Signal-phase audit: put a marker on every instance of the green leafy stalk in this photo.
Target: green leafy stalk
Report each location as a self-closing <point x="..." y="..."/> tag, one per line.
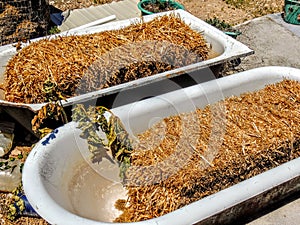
<point x="52" y="110"/>
<point x="118" y="143"/>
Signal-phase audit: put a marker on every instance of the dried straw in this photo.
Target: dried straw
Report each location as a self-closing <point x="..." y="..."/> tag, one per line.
<point x="80" y="64"/>
<point x="258" y="131"/>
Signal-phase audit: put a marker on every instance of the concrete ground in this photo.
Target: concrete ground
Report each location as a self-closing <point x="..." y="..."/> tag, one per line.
<point x="288" y="214"/>
<point x="276" y="43"/>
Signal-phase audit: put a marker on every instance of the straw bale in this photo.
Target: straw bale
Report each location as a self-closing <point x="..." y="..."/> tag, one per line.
<point x="80" y="64"/>
<point x="202" y="152"/>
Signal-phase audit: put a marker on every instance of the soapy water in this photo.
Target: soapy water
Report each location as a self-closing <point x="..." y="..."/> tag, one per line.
<point x="93" y="196"/>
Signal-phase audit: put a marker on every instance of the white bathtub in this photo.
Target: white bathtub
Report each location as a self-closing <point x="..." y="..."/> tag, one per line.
<point x="49" y="171"/>
<point x="225" y="47"/>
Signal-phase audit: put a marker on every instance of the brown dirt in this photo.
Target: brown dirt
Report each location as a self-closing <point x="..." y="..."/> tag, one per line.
<point x="234" y="11"/>
<point x="231" y="11"/>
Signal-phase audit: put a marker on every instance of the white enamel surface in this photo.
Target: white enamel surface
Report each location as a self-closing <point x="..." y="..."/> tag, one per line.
<point x="47" y="169"/>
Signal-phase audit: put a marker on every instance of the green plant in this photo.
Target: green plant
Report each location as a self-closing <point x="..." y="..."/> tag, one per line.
<point x="53" y="110"/>
<point x="117" y="140"/>
<point x="221" y="25"/>
<point x="162" y="5"/>
<point x="156" y="6"/>
<point x="237" y="3"/>
<point x="54" y="30"/>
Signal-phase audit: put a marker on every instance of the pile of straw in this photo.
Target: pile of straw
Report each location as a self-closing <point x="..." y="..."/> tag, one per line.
<point x="186" y="157"/>
<point x="80" y="64"/>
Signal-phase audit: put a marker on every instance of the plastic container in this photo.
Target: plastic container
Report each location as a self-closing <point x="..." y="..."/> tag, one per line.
<point x="6" y="141"/>
<point x="50" y="181"/>
<point x="171" y="3"/>
<point x="10" y="175"/>
<point x="292" y="12"/>
<point x="6" y="136"/>
<point x="233" y="34"/>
